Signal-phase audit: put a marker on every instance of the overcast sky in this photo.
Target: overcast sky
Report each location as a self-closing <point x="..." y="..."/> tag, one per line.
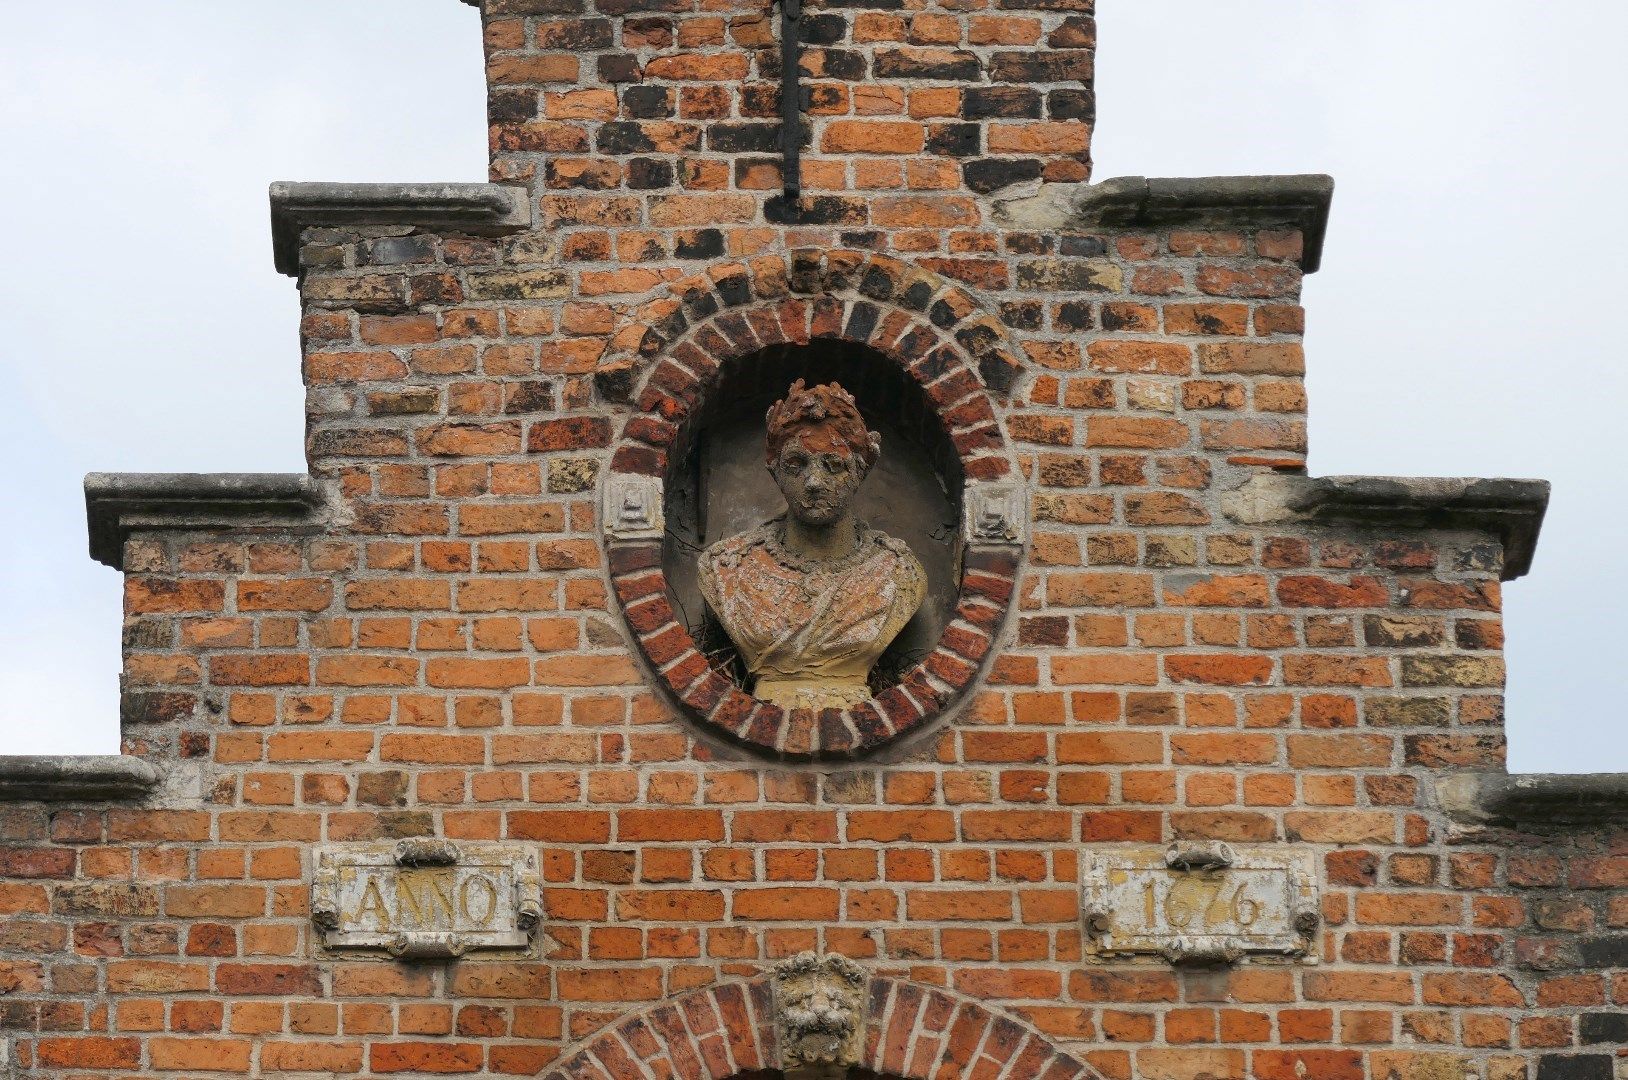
<point x="1464" y="322"/>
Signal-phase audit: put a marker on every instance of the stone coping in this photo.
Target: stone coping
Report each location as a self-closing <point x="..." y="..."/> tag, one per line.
<point x="491" y="209"/>
<point x="1299" y="201"/>
<point x="73" y="778"/>
<point x="1536" y="798"/>
<point x="118" y="504"/>
<point x="1510" y="509"/>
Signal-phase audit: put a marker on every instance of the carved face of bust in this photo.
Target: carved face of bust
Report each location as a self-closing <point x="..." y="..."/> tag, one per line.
<point x="818" y="477"/>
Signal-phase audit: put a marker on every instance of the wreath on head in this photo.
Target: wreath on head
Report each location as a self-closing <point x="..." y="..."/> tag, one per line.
<point x="829" y="414"/>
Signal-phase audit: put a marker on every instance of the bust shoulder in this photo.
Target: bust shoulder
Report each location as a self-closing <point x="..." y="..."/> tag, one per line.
<point x="729" y="550"/>
<point x="914" y="576"/>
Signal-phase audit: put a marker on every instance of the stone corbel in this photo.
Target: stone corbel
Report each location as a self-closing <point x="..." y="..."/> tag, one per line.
<point x="421" y="851"/>
<point x="426" y="946"/>
<point x="1307" y="918"/>
<point x="1186" y="953"/>
<point x="325" y="896"/>
<point x="1199" y="855"/>
<point x="995" y="515"/>
<point x="528" y="895"/>
<point x="633" y="508"/>
<point x="819" y="1015"/>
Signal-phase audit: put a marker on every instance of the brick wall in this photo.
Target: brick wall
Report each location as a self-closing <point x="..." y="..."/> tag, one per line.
<point x="448" y="653"/>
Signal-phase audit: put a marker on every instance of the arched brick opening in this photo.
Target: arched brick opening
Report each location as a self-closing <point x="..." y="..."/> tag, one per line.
<point x="928" y="328"/>
<point x="727" y="1031"/>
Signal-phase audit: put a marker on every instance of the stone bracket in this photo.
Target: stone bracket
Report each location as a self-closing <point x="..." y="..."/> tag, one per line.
<point x="1535" y="799"/>
<point x="1297" y="201"/>
<point x="1511" y="510"/>
<point x="119" y="504"/>
<point x="995" y="515"/>
<point x="633" y="508"/>
<point x="71" y="778"/>
<point x="482" y="209"/>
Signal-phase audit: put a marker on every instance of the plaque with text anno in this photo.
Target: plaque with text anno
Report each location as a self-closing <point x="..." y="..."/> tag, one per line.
<point x="1200" y="904"/>
<point x="426" y="899"/>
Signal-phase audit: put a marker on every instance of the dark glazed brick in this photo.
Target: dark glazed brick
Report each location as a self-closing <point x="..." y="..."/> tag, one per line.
<point x="862" y="321"/>
<point x="1074" y="315"/>
<point x="511" y="106"/>
<point x="817" y="210"/>
<point x="155" y="707"/>
<point x="1609" y="1027"/>
<point x="1084" y="247"/>
<point x="748" y="138"/>
<point x="834" y="63"/>
<point x="959" y="66"/>
<point x="991" y="174"/>
<point x="877" y="283"/>
<point x="1575" y="1067"/>
<point x="646" y="173"/>
<point x="647" y="102"/>
<point x="621" y="138"/>
<point x="999" y="373"/>
<point x="1041" y="67"/>
<point x="984" y="102"/>
<point x="1071" y="105"/>
<point x="632" y="7"/>
<point x="735" y="290"/>
<point x="917" y="296"/>
<point x="824" y="29"/>
<point x="630" y="558"/>
<point x="1603" y="951"/>
<point x="700" y="244"/>
<point x="954" y="140"/>
<point x="1023" y="314"/>
<point x="577" y="35"/>
<point x="618" y="69"/>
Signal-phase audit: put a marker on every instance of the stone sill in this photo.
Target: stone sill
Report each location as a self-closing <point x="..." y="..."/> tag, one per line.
<point x="486" y="209"/>
<point x="1536" y="798"/>
<point x="119" y="504"/>
<point x="51" y="778"/>
<point x="1512" y="510"/>
<point x="1205" y="202"/>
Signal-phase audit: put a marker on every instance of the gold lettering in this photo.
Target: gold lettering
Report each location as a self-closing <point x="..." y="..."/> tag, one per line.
<point x="443" y="899"/>
<point x="407" y="898"/>
<point x="485" y="886"/>
<point x="373" y="901"/>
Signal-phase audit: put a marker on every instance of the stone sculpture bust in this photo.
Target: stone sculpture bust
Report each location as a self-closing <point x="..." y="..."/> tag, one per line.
<point x="814" y="597"/>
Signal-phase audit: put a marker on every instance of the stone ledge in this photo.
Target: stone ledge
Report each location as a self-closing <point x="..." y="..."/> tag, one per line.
<point x="1212" y="202"/>
<point x="52" y="778"/>
<point x="1510" y="509"/>
<point x="118" y="504"/>
<point x="490" y="209"/>
<point x="1536" y="798"/>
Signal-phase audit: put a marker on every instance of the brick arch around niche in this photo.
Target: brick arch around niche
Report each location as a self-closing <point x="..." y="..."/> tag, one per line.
<point x="727" y="1031"/>
<point x="929" y="328"/>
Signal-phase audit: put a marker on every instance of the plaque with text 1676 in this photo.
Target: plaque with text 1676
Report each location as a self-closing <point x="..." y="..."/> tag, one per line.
<point x="1200" y="904"/>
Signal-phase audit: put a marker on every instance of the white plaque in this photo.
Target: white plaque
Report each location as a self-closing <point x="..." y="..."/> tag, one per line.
<point x="1200" y="903"/>
<point x="426" y="899"/>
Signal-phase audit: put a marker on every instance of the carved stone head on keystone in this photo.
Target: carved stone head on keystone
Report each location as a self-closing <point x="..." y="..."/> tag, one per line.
<point x="819" y="1009"/>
